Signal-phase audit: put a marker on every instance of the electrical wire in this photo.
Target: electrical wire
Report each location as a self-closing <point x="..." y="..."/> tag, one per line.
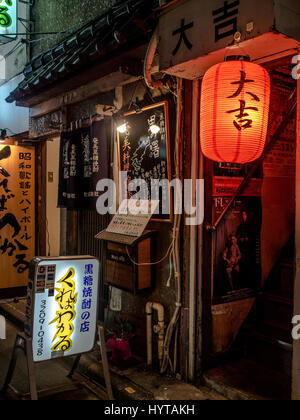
<point x="8" y="129"/>
<point x="153" y="263"/>
<point x="48" y="237"/>
<point x="17" y="46"/>
<point x="173" y="251"/>
<point x="173" y="325"/>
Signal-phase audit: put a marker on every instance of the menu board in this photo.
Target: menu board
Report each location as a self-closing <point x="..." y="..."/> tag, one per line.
<point x="132" y="218"/>
<point x="145" y="155"/>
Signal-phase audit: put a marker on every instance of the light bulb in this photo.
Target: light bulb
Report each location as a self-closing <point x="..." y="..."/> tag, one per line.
<point x="155" y="129"/>
<point x="122" y="128"/>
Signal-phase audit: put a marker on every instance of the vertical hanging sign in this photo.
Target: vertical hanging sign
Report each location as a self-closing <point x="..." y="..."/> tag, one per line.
<point x="83" y="162"/>
<point x="17" y="214"/>
<point x="8" y="19"/>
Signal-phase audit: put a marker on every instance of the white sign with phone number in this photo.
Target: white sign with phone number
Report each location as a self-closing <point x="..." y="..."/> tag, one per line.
<point x="64" y="312"/>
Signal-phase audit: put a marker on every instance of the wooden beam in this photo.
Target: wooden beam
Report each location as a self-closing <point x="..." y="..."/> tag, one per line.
<point x="102" y="85"/>
<point x="41" y="199"/>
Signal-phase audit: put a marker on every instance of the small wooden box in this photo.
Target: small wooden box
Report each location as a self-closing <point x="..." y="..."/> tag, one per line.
<point x="122" y="252"/>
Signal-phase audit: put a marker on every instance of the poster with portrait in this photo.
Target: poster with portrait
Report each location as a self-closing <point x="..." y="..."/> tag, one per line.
<point x="237" y="267"/>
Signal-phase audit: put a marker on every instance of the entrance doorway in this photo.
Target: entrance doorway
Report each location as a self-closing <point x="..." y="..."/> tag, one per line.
<point x="252" y="305"/>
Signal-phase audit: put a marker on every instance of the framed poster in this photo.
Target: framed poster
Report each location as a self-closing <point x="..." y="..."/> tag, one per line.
<point x="237" y="248"/>
<point x="144" y="154"/>
<point x="17" y="214"/>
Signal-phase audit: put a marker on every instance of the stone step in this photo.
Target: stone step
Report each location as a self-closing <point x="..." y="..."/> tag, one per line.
<point x="272" y="349"/>
<point x="276" y="310"/>
<point x="245" y="379"/>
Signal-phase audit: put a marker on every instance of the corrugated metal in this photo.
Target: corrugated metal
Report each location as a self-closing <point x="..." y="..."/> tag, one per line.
<point x="89" y="224"/>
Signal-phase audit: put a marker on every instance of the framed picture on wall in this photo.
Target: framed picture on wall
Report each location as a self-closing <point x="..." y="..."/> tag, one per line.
<point x="237" y="253"/>
<point x="144" y="154"/>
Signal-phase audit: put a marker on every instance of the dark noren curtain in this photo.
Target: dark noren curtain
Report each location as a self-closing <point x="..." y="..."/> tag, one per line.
<point x="83" y="162"/>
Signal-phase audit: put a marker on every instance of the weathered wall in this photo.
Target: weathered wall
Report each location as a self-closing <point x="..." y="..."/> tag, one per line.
<point x="278" y="190"/>
<point x="278" y="202"/>
<point x="57" y="15"/>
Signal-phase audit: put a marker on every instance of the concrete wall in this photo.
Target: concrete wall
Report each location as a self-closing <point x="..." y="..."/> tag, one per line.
<point x="12" y="117"/>
<point x="57" y="15"/>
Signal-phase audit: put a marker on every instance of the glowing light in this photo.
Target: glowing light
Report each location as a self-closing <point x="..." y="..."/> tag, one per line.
<point x="155" y="129"/>
<point x="122" y="128"/>
<point x="66" y="299"/>
<point x="235" y="103"/>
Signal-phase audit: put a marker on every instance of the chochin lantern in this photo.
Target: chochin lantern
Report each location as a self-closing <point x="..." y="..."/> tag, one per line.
<point x="235" y="103"/>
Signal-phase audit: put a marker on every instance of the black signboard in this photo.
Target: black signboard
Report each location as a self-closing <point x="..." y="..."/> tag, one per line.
<point x="145" y="154"/>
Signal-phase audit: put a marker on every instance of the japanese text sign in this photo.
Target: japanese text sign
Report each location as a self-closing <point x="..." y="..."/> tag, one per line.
<point x="145" y="155"/>
<point x="193" y="29"/>
<point x="62" y="306"/>
<point x="133" y="217"/>
<point x="17" y="214"/>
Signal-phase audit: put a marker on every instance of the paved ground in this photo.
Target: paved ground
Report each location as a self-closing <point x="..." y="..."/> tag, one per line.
<point x="133" y="383"/>
<point x="51" y="377"/>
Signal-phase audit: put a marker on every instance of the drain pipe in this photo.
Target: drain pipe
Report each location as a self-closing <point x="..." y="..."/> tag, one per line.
<point x="149" y="61"/>
<point x="158" y="329"/>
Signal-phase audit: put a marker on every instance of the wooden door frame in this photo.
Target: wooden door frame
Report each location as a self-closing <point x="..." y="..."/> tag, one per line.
<point x="41" y="198"/>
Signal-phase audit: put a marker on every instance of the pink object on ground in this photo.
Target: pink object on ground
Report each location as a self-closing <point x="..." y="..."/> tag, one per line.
<point x="120" y="349"/>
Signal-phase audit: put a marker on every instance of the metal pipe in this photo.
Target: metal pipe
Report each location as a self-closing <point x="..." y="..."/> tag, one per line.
<point x="176" y="236"/>
<point x="149" y="333"/>
<point x="149" y="61"/>
<point x="158" y="329"/>
<point x="193" y="235"/>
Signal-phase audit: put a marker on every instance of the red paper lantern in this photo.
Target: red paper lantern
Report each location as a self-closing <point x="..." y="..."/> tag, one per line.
<point x="235" y="103"/>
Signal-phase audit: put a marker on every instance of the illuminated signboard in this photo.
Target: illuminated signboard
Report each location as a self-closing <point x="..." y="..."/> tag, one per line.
<point x="62" y="305"/>
<point x="8" y="18"/>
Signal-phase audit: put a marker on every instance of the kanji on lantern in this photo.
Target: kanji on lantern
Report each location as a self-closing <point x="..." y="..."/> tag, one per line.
<point x="235" y="102"/>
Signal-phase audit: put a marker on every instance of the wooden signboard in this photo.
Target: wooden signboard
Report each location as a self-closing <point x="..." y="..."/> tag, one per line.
<point x="17" y="214"/>
<point x="144" y="155"/>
